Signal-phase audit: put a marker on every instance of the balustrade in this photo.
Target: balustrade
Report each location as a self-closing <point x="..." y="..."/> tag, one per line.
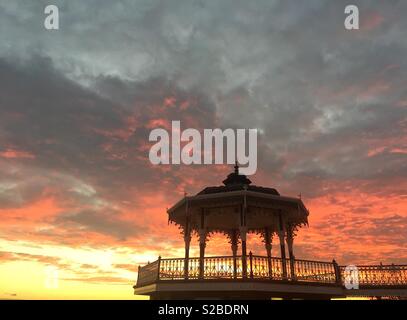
<point x="222" y="267"/>
<point x="379" y="275"/>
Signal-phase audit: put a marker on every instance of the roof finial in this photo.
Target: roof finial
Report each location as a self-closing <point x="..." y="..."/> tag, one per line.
<point x="235" y="178"/>
<point x="236" y="168"/>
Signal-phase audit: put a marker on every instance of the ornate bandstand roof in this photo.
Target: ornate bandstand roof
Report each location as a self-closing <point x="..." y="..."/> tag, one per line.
<point x="235" y="182"/>
<point x="223" y="208"/>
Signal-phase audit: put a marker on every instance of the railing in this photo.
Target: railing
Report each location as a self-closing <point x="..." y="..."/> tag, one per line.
<point x="264" y="268"/>
<point x="214" y="268"/>
<point x="379" y="275"/>
<point x="316" y="271"/>
<point x="148" y="274"/>
<point x="228" y="267"/>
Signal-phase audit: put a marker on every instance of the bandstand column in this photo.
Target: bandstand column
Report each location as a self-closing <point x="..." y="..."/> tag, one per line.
<point x="290" y="243"/>
<point x="233" y="241"/>
<point x="202" y="245"/>
<point x="187" y="240"/>
<point x="268" y="244"/>
<point x="243" y="233"/>
<point x="282" y="246"/>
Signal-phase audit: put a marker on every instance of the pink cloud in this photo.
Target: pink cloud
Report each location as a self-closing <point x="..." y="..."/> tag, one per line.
<point x="371" y="21"/>
<point x="16" y="154"/>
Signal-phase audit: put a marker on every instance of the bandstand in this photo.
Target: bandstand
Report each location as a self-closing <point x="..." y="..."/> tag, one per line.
<point x="235" y="209"/>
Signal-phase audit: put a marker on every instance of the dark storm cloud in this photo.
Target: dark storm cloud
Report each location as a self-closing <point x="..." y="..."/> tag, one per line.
<point x="81" y="135"/>
<point x="53" y="119"/>
<point x="79" y="102"/>
<point x="101" y="222"/>
<point x="87" y="150"/>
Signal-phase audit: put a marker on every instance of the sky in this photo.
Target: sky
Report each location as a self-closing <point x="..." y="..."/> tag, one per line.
<point x="80" y="201"/>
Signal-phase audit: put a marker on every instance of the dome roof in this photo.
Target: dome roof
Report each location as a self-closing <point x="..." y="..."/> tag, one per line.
<point x="236" y="182"/>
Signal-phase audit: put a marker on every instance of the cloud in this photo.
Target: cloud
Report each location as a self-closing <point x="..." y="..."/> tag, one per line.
<point x="91" y="153"/>
<point x="19" y="256"/>
<point x="101" y="222"/>
<point x="102" y="279"/>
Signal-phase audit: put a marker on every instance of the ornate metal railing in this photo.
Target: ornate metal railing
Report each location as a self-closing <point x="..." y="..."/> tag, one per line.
<point x="148" y="274"/>
<point x="214" y="268"/>
<point x="264" y="268"/>
<point x="316" y="271"/>
<point x="378" y="275"/>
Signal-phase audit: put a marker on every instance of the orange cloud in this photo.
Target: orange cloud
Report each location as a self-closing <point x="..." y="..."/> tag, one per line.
<point x="16" y="154"/>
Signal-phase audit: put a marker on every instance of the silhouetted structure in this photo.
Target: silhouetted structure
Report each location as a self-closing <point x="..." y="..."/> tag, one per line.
<point x="236" y="209"/>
